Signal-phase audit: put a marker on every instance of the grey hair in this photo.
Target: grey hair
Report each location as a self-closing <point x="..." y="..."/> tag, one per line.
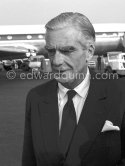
<point x="77" y="20"/>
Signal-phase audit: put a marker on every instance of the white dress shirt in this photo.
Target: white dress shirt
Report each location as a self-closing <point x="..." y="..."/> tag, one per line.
<point x="78" y="99"/>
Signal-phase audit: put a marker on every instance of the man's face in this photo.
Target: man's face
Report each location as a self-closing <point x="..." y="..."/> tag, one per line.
<point x="68" y="56"/>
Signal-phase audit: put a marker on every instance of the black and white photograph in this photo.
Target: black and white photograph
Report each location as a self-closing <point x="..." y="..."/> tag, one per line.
<point x="62" y="83"/>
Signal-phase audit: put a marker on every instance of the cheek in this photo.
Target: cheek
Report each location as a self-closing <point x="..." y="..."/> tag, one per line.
<point x="80" y="63"/>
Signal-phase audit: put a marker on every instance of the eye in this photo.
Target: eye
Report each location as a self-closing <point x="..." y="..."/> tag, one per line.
<point x="67" y="50"/>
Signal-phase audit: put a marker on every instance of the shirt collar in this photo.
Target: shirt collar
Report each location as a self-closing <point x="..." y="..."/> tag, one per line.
<point x="62" y="90"/>
<point x="84" y="85"/>
<point x="80" y="89"/>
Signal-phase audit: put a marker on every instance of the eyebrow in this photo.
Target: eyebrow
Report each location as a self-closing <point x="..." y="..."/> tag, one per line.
<point x="61" y="48"/>
<point x="68" y="47"/>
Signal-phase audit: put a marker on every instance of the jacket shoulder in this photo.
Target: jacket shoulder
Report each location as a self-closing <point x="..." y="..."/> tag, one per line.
<point x="42" y="89"/>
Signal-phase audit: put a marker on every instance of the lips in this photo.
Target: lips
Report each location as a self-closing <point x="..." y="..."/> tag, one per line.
<point x="60" y="71"/>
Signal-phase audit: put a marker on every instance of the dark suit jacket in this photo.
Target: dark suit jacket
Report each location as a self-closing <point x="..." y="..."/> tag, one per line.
<point x="90" y="146"/>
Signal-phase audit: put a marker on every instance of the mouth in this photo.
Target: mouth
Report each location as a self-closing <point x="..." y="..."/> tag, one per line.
<point x="60" y="71"/>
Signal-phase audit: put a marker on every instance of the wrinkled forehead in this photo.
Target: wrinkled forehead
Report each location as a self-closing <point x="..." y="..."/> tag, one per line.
<point x="64" y="36"/>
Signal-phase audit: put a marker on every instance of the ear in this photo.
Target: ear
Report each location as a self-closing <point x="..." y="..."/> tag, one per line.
<point x="90" y="52"/>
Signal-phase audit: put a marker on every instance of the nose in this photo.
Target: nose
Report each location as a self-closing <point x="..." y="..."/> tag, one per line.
<point x="57" y="59"/>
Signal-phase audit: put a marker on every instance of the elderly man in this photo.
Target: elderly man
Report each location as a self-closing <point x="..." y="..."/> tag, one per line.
<point x="75" y="119"/>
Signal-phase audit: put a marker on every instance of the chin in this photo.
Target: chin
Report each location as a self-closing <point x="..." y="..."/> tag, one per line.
<point x="62" y="80"/>
<point x="65" y="82"/>
<point x="66" y="77"/>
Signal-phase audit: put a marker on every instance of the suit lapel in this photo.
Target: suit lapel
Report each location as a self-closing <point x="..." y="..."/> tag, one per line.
<point x="48" y="109"/>
<point x="91" y="121"/>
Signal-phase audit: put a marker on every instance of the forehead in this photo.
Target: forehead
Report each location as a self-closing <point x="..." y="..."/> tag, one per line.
<point x="63" y="37"/>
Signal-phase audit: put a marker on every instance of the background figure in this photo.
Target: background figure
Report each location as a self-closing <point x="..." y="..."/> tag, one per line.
<point x="99" y="62"/>
<point x="74" y="119"/>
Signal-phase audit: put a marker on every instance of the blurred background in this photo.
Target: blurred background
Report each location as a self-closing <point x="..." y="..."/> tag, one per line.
<point x="25" y="12"/>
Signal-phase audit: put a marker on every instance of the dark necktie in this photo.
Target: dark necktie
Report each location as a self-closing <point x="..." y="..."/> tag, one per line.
<point x="68" y="123"/>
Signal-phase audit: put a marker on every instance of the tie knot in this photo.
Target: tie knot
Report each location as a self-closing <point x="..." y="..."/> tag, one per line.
<point x="71" y="94"/>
